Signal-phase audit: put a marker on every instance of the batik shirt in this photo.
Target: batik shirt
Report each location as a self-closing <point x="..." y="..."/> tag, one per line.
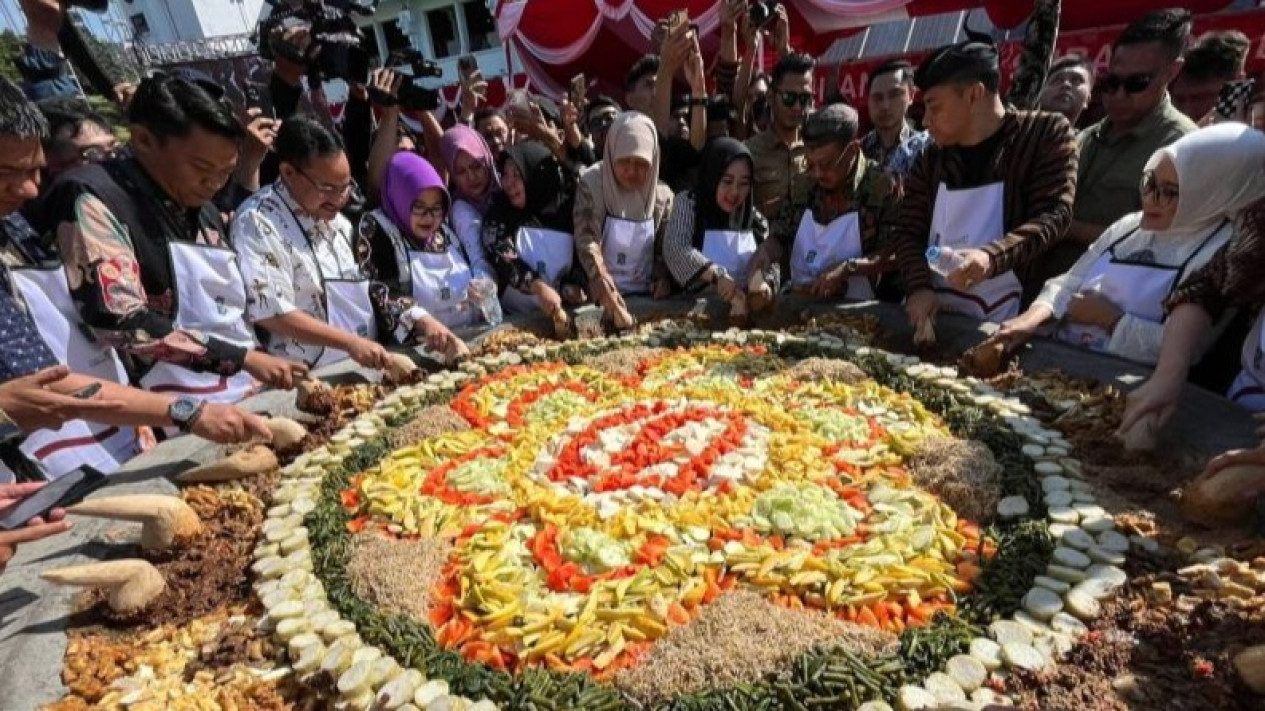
<point x="285" y="257"/>
<point x="127" y="301"/>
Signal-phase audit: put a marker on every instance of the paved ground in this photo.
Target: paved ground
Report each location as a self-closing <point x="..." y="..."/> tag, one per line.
<point x="33" y="613"/>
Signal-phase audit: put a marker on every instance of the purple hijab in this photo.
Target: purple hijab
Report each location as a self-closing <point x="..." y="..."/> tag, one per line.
<point x="463" y="138"/>
<point x="408" y="174"/>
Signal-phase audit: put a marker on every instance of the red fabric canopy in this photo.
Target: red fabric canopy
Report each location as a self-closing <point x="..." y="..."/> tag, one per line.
<point x="557" y="39"/>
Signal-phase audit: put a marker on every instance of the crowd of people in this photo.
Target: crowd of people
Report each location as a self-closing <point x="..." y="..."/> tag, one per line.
<point x="157" y="281"/>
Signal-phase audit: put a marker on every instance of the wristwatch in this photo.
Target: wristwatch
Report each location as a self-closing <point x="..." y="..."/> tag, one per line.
<point x="185" y="411"/>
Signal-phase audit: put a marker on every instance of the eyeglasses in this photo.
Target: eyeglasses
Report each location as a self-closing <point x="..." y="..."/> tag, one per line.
<point x="1163" y="194"/>
<point x="420" y="210"/>
<point x="1132" y="84"/>
<point x="803" y="98"/>
<point x="329" y="190"/>
<point x="98" y="154"/>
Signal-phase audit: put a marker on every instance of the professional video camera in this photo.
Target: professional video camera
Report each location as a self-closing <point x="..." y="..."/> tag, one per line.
<point x="413" y="95"/>
<point x="335" y="51"/>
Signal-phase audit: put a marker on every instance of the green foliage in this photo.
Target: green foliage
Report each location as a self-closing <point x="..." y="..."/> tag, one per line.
<point x="10" y="47"/>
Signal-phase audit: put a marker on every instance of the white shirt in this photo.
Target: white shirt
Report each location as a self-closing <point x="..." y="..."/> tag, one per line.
<point x="284" y="263"/>
<point x="1134" y="338"/>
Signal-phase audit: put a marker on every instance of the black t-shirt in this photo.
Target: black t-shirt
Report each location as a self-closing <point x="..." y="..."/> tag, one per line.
<point x="978" y="160"/>
<point x="678" y="163"/>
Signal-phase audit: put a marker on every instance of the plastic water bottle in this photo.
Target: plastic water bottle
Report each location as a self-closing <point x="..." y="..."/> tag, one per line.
<point x="483" y="294"/>
<point x="943" y="260"/>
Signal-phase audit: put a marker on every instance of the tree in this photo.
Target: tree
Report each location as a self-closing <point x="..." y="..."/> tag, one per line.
<point x="10" y="48"/>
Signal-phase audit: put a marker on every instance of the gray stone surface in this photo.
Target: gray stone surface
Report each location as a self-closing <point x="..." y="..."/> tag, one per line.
<point x="33" y="614"/>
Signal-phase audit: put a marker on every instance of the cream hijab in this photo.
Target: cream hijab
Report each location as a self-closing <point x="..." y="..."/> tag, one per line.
<point x="1220" y="171"/>
<point x="631" y="135"/>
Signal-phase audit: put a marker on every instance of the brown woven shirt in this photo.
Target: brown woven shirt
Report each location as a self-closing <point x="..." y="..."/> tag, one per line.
<point x="1035" y="158"/>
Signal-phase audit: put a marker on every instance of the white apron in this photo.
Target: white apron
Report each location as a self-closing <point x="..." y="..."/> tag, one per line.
<point x="1136" y="288"/>
<point x="971" y="219"/>
<point x="628" y="250"/>
<point x="211" y="299"/>
<point x="76" y="443"/>
<point x="548" y="252"/>
<point x="347" y="308"/>
<point x="731" y="250"/>
<point x="441" y="283"/>
<point x="819" y="248"/>
<point x="1248" y="389"/>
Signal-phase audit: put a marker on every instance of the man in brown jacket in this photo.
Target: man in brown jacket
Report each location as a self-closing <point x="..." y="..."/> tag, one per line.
<point x="992" y="194"/>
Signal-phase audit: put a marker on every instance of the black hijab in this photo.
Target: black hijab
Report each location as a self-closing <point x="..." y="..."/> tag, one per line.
<point x="550" y="188"/>
<point x="718" y="155"/>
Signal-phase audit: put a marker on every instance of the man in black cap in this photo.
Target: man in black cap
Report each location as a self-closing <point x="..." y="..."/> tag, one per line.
<point x="992" y="194"/>
<point x="830" y="241"/>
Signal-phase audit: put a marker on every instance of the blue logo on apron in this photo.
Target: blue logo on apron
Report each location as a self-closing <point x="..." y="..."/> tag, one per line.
<point x="362" y="331"/>
<point x="811" y="256"/>
<point x="621" y="258"/>
<point x="445" y="293"/>
<point x="540" y="266"/>
<point x="219" y="305"/>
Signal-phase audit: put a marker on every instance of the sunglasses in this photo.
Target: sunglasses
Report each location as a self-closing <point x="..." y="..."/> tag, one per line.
<point x="1163" y="194"/>
<point x="1132" y="84"/>
<point x="803" y="98"/>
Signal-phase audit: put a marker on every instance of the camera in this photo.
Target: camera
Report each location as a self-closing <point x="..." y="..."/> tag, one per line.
<point x="332" y="29"/>
<point x="763" y="12"/>
<point x="413" y="95"/>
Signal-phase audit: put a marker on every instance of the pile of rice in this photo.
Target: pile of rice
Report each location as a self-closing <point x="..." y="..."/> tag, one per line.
<point x="740" y="637"/>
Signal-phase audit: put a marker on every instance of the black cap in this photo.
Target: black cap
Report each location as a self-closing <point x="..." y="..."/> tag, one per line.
<point x="972" y="59"/>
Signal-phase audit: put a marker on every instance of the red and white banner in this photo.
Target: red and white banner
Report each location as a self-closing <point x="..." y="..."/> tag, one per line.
<point x="1093" y="44"/>
<point x="557" y="39"/>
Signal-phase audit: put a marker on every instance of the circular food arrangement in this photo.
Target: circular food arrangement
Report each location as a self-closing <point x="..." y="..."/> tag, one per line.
<point x="677" y="519"/>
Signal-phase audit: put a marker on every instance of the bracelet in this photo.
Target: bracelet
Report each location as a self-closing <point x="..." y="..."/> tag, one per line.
<point x="697" y="101"/>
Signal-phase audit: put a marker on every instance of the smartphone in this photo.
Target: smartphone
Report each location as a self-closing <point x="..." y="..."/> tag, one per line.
<point x="59" y="493"/>
<point x="579" y="88"/>
<point x="89" y="392"/>
<point x="1234" y="98"/>
<point x="467" y="66"/>
<point x="259" y="97"/>
<point x="676" y="20"/>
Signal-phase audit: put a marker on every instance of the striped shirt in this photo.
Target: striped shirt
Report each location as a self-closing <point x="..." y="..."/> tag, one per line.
<point x="1035" y="157"/>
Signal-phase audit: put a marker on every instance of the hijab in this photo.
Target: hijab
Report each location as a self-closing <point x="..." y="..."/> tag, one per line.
<point x="550" y="189"/>
<point x="719" y="154"/>
<point x="631" y="135"/>
<point x="408" y="174"/>
<point x="460" y="139"/>
<point x="1220" y="171"/>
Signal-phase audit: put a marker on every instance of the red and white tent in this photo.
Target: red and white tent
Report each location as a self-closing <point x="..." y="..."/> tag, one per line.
<point x="557" y="39"/>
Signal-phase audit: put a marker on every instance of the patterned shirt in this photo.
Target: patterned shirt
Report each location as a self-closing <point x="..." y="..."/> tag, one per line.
<point x="22" y="350"/>
<point x="1235" y="276"/>
<point x="871" y="193"/>
<point x="873" y="148"/>
<point x="285" y="257"/>
<point x="121" y="282"/>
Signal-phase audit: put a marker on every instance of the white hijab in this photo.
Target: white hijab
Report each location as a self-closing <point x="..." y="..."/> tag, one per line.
<point x="1220" y="171"/>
